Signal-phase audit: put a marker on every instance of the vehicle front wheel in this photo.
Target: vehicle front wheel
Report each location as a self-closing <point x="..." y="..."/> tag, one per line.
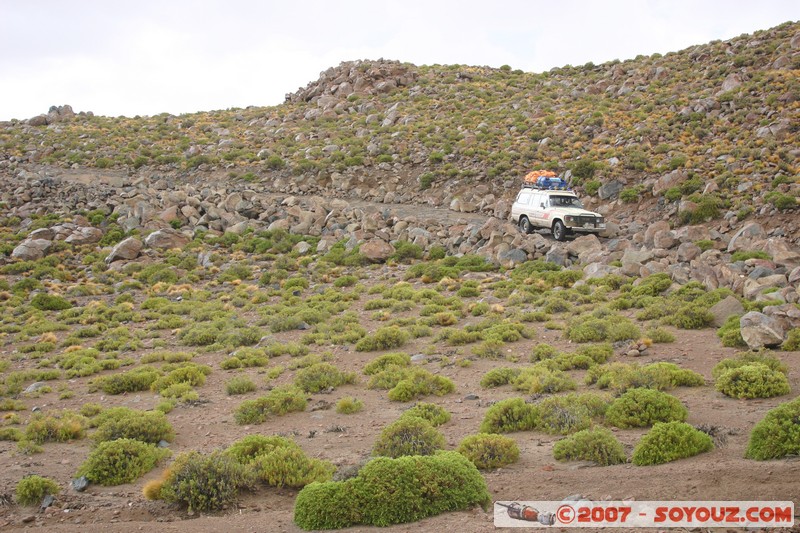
<point x="559" y="231"/>
<point x="525" y="225"/>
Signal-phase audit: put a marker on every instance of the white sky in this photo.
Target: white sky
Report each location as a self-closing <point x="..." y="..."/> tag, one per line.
<point x="123" y="57"/>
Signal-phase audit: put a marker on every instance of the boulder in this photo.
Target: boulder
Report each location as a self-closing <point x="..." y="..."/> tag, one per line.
<point x="667" y="181"/>
<point x="745" y="237"/>
<point x="584" y="244"/>
<point x="127" y="249"/>
<point x="87" y="235"/>
<point x="652" y="230"/>
<point x="377" y="250"/>
<point x="726" y="308"/>
<point x="166" y="239"/>
<point x="31" y="249"/>
<point x="610" y="189"/>
<point x="760" y="330"/>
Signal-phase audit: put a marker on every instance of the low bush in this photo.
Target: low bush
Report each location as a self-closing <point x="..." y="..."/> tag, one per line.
<point x="322" y="376"/>
<point x="290" y="467"/>
<point x="748" y="358"/>
<point x="509" y="415"/>
<point x="349" y="406"/>
<point x="562" y="415"/>
<point x="777" y="434"/>
<point x="730" y="333"/>
<point x="638" y="408"/>
<point x="121" y="461"/>
<point x="598" y="445"/>
<point x="139" y="379"/>
<point x="393" y="491"/>
<point x="62" y="427"/>
<point x="497" y="377"/>
<point x="50" y="302"/>
<point x="792" y="342"/>
<point x="670" y="441"/>
<point x="754" y="380"/>
<point x="239" y="385"/>
<point x="279" y="401"/>
<point x="539" y="379"/>
<point x="383" y="339"/>
<point x="408" y="436"/>
<point x="382" y="362"/>
<point x="487" y="450"/>
<point x="205" y="482"/>
<point x="124" y="423"/>
<point x="248" y="448"/>
<point x="431" y="412"/>
<point x="620" y="377"/>
<point x="31" y="490"/>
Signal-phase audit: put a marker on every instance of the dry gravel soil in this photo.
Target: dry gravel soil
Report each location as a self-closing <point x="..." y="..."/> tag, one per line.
<point x="722" y="474"/>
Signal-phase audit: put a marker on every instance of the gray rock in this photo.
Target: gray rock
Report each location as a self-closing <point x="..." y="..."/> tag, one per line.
<point x="31" y="249"/>
<point x="723" y="309"/>
<point x="126" y="249"/>
<point x="33" y="387"/>
<point x="79" y="484"/>
<point x="760" y="330"/>
<point x="166" y="239"/>
<point x="558" y="255"/>
<point x="377" y="250"/>
<point x="416" y="358"/>
<point x="610" y="189"/>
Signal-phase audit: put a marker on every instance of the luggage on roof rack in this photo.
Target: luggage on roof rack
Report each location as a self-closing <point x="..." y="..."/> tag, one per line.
<point x="544" y="179"/>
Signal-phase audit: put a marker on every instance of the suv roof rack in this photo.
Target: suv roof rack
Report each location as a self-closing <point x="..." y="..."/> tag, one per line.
<point x="538" y="187"/>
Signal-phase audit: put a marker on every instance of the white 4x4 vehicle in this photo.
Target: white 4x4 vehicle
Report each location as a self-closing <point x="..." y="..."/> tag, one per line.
<point x="557" y="210"/>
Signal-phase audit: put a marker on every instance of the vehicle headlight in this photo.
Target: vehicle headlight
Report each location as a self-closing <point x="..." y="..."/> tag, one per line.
<point x="568" y="218"/>
<point x="600" y="220"/>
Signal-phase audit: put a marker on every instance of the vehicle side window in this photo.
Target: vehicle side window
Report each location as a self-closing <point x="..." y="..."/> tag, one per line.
<point x="537" y="200"/>
<point x="524" y="198"/>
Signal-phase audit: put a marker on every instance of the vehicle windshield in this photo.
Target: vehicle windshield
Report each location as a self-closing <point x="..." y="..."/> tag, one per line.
<point x="565" y="201"/>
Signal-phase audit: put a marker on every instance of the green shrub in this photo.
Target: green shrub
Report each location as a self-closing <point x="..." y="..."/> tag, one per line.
<point x="290" y="467"/>
<point x="382" y="362"/>
<point x="539" y="379"/>
<point x="755" y="380"/>
<point x="239" y="385"/>
<point x="205" y="482"/>
<point x="612" y="329"/>
<point x="124" y="423"/>
<point x="11" y="434"/>
<point x="744" y="255"/>
<point x="620" y="377"/>
<point x="50" y="302"/>
<point x="598" y="445"/>
<point x="670" y="441"/>
<point x="322" y="376"/>
<point x="121" y="461"/>
<point x="497" y="377"/>
<point x="405" y="251"/>
<point x="248" y="448"/>
<point x="792" y="342"/>
<point x="488" y="451"/>
<point x="139" y="379"/>
<point x="408" y="436"/>
<point x="777" y="434"/>
<point x="246" y="358"/>
<point x="561" y="415"/>
<point x="349" y="406"/>
<point x="383" y="339"/>
<point x="431" y="412"/>
<point x="690" y="316"/>
<point x="509" y="415"/>
<point x="408" y="384"/>
<point x="644" y="407"/>
<point x="393" y="491"/>
<point x="31" y="490"/>
<point x="659" y="335"/>
<point x="748" y="358"/>
<point x="191" y="374"/>
<point x="279" y="401"/>
<point x="63" y="427"/>
<point x="730" y="333"/>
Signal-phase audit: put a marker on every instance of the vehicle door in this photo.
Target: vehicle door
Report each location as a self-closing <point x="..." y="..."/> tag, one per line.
<point x="538" y="209"/>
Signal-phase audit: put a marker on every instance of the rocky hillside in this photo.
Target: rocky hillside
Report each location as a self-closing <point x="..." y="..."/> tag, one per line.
<point x="705" y="134"/>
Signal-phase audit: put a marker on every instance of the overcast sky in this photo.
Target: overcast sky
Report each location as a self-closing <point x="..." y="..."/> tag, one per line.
<point x="145" y="57"/>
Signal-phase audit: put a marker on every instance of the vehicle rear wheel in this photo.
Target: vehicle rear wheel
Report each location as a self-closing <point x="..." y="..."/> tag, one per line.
<point x="525" y="225"/>
<point x="559" y="231"/>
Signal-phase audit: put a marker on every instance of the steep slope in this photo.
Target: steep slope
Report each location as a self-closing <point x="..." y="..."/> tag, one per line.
<point x="710" y="130"/>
